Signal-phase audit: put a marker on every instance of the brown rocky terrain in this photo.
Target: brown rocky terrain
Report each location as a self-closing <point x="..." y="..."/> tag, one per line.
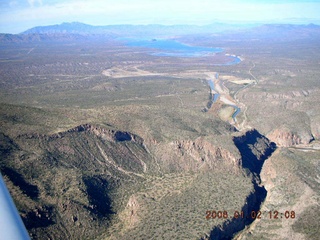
<point x="105" y="141"/>
<point x="283" y="137"/>
<point x="90" y="167"/>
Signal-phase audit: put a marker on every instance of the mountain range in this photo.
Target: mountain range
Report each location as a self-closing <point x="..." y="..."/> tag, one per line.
<point x="81" y="31"/>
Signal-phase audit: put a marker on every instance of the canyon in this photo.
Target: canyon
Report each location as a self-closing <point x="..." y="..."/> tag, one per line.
<point x="103" y="140"/>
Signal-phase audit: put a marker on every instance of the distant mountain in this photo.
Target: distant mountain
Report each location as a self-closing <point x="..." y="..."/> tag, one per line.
<point x="34" y="37"/>
<point x="80" y="31"/>
<point x="74" y="27"/>
<point x="129" y="30"/>
<point x="280" y="30"/>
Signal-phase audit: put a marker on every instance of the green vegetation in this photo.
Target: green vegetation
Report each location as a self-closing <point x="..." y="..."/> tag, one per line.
<point x="177" y="203"/>
<point x="308" y="223"/>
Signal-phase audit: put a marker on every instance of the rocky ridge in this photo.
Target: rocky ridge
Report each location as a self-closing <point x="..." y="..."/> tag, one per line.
<point x="90" y="166"/>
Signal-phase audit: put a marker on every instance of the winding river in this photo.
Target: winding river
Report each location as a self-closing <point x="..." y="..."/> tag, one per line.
<point x="172" y="48"/>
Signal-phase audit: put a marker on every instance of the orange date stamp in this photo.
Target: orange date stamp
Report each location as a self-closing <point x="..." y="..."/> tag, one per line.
<point x="251" y="215"/>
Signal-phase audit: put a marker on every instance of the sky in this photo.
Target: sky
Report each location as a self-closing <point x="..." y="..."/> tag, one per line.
<point x="19" y="15"/>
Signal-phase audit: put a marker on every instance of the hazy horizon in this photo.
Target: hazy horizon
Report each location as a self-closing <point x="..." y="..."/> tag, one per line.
<point x="19" y="15"/>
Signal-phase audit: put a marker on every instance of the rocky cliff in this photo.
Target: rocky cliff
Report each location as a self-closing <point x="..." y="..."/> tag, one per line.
<point x="255" y="149"/>
<point x="201" y="154"/>
<point x="75" y="183"/>
<point x="285" y="137"/>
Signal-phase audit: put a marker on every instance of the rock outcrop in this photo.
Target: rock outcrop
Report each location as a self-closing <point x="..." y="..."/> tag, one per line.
<point x="196" y="155"/>
<point x="284" y="137"/>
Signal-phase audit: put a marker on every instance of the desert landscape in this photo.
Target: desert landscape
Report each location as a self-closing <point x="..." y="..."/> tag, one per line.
<point x="104" y="139"/>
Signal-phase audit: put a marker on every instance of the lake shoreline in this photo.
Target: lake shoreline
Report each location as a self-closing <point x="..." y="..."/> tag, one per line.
<point x="173" y="48"/>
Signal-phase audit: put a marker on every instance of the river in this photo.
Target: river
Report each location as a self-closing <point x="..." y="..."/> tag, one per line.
<point x="215" y="96"/>
<point x="172" y="48"/>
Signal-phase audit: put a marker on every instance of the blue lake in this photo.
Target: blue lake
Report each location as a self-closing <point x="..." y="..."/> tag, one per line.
<point x="172" y="48"/>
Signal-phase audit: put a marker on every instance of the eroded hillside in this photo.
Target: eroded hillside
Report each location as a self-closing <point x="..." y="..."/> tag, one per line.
<point x="77" y="182"/>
